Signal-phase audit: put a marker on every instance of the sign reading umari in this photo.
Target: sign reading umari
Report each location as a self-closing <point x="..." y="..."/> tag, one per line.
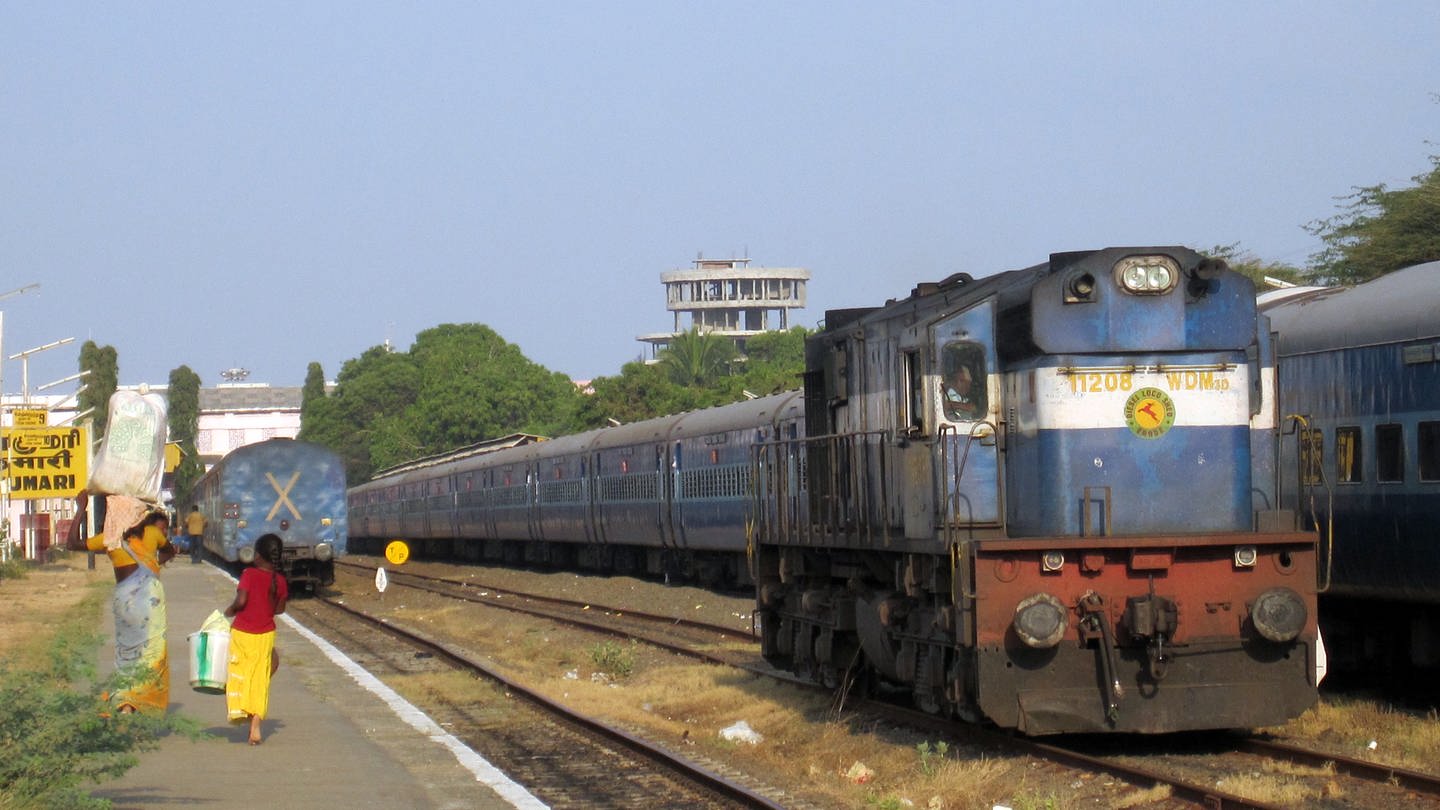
<point x="44" y="462"/>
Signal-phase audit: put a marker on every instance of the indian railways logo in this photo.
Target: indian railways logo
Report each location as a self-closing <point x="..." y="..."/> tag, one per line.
<point x="1149" y="413"/>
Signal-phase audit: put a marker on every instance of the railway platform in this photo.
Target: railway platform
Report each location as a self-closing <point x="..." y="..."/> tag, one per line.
<point x="335" y="737"/>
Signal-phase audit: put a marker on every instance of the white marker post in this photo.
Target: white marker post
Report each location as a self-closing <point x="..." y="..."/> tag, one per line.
<point x="381" y="581"/>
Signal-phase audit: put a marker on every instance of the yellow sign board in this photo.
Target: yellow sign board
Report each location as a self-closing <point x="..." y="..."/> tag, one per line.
<point x="31" y="418"/>
<point x="44" y="462"/>
<point x="172" y="456"/>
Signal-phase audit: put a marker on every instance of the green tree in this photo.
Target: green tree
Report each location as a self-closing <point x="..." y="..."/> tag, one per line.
<point x="475" y="386"/>
<point x="104" y="366"/>
<point x="1380" y="230"/>
<point x="376" y="383"/>
<point x="1255" y="268"/>
<point x="774" y="361"/>
<point x="696" y="358"/>
<point x="641" y="391"/>
<point x="184" y="417"/>
<point x="311" y="393"/>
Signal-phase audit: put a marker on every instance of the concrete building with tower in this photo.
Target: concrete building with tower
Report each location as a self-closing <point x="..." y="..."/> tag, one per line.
<point x="729" y="297"/>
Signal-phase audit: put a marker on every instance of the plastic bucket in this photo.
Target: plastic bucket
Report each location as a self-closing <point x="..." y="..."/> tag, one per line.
<point x="209" y="661"/>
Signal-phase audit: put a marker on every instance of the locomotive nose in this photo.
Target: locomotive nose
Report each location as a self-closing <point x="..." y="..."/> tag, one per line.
<point x="1279" y="614"/>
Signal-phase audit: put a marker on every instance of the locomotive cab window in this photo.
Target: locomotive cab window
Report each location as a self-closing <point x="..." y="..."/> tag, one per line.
<point x="913" y="416"/>
<point x="962" y="384"/>
<point x="1389" y="453"/>
<point x="1349" y="468"/>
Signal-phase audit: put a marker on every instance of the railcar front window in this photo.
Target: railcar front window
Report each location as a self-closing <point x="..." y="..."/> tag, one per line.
<point x="1429" y="451"/>
<point x="962" y="384"/>
<point x="1389" y="453"/>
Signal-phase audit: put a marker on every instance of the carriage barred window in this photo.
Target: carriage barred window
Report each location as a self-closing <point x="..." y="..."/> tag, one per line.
<point x="1349" y="464"/>
<point x="1389" y="453"/>
<point x="1429" y="451"/>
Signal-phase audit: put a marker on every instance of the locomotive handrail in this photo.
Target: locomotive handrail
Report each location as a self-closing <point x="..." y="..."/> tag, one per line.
<point x="1157" y="368"/>
<point x="959" y="585"/>
<point x="845" y="503"/>
<point x="1300" y="422"/>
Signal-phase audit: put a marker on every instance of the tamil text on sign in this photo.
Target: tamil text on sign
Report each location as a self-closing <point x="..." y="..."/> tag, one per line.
<point x="44" y="462"/>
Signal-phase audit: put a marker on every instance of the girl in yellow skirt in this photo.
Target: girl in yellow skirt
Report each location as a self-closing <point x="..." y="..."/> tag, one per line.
<point x="259" y="598"/>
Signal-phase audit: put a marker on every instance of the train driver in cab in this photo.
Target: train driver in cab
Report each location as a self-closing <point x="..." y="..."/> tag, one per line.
<point x="962" y="394"/>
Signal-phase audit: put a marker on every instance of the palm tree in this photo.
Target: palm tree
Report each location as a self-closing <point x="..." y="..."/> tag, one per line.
<point x="696" y="358"/>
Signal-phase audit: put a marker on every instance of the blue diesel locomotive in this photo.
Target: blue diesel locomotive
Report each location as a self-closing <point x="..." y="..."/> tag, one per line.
<point x="1360" y="382"/>
<point x="282" y="486"/>
<point x="1026" y="498"/>
<point x="1082" y="548"/>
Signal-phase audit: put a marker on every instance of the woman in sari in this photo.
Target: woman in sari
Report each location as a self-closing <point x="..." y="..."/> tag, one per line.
<point x="259" y="598"/>
<point x="137" y="549"/>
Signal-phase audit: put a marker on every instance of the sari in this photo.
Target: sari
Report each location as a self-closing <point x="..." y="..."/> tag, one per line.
<point x="140" y="624"/>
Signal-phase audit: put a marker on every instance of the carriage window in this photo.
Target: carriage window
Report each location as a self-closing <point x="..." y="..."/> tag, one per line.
<point x="962" y="384"/>
<point x="1312" y="456"/>
<point x="1429" y="456"/>
<point x="1348" y="466"/>
<point x="1389" y="453"/>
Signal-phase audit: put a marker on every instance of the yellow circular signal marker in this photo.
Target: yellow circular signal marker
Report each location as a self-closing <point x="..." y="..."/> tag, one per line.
<point x="397" y="552"/>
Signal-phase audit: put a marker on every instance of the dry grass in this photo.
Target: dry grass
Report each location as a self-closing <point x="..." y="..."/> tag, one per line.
<point x="35" y="605"/>
<point x="686" y="706"/>
<point x="1350" y="725"/>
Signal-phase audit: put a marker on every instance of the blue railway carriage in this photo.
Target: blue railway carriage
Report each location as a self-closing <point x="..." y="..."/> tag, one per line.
<point x="1359" y="383"/>
<point x="1029" y="498"/>
<point x="668" y="497"/>
<point x="282" y="486"/>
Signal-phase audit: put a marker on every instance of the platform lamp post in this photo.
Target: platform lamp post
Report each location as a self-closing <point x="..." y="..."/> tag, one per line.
<point x="5" y="479"/>
<point x="24" y="358"/>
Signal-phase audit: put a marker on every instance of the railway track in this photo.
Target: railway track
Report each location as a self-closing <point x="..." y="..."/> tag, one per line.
<point x="1202" y="778"/>
<point x="565" y="758"/>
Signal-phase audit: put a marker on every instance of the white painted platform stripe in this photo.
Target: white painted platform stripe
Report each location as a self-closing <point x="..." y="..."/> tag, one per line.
<point x="484" y="772"/>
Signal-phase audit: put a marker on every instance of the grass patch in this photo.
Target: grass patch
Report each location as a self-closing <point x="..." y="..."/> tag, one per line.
<point x="613" y="658"/>
<point x="1350" y="725"/>
<point x="55" y="740"/>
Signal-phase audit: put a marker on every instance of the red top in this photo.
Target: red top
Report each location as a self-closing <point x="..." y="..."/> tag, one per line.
<point x="258" y="615"/>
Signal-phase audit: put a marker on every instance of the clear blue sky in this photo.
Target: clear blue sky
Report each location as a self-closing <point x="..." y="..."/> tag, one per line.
<point x="267" y="184"/>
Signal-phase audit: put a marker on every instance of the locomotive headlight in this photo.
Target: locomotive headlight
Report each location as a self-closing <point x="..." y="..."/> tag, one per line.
<point x="1279" y="614"/>
<point x="1147" y="275"/>
<point x="247" y="554"/>
<point x="323" y="552"/>
<point x="1052" y="560"/>
<point x="1245" y="556"/>
<point x="1040" y="621"/>
<point x="325" y="521"/>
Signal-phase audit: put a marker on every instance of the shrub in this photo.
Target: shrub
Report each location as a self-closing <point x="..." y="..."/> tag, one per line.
<point x="56" y="740"/>
<point x="612" y="658"/>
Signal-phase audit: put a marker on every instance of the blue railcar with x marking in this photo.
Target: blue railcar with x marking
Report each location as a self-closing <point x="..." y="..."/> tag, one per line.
<point x="285" y="487"/>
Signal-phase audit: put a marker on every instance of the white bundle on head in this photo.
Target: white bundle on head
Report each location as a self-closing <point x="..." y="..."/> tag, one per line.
<point x="121" y="513"/>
